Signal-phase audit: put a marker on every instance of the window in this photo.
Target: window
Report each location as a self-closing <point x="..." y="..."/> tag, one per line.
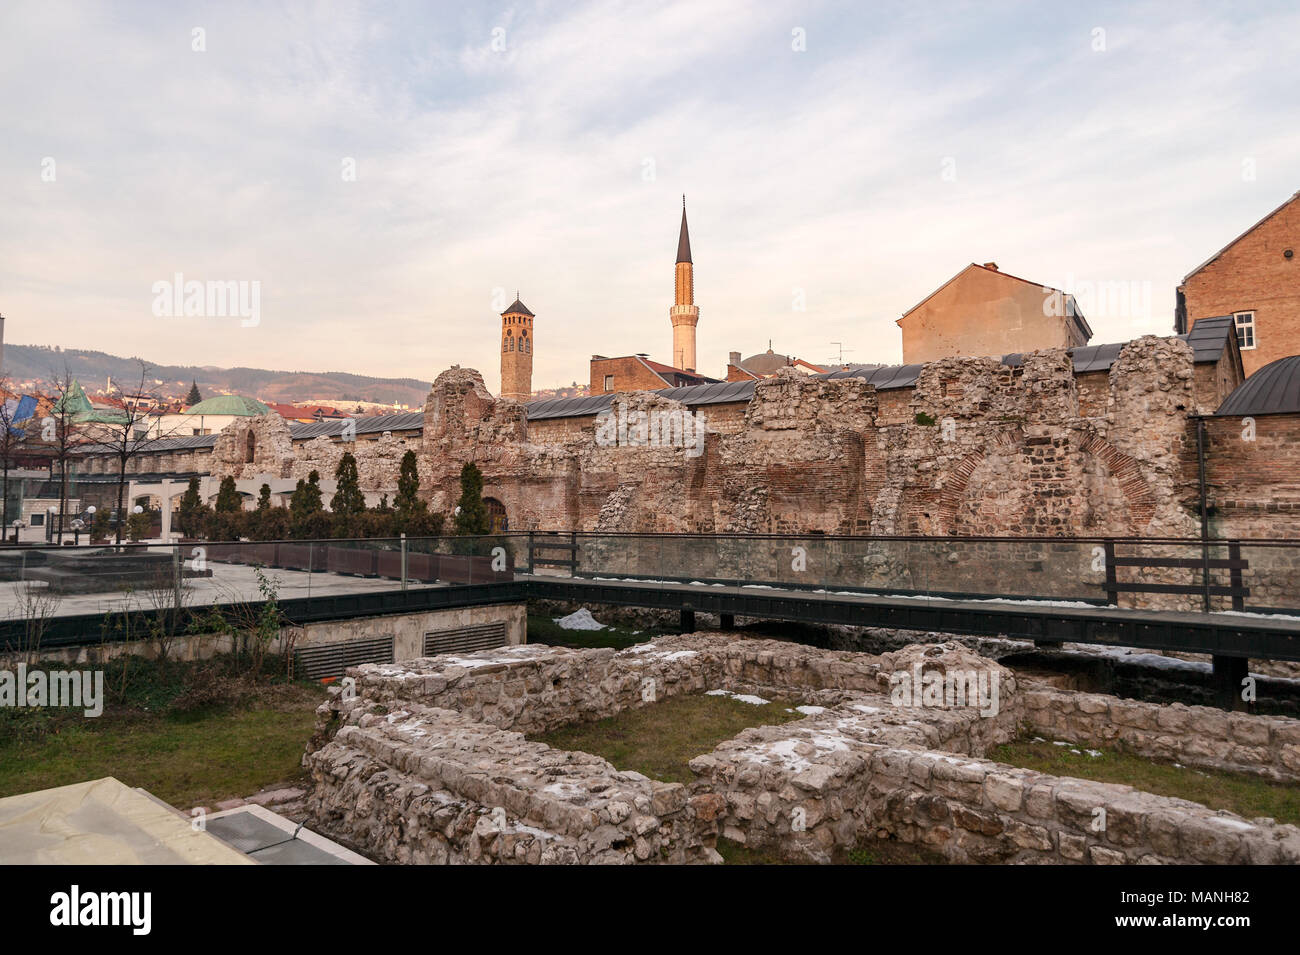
<point x="609" y="382"/>
<point x="1245" y="330"/>
<point x="38" y="519"/>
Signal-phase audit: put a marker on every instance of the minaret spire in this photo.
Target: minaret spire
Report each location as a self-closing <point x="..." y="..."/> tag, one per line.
<point x="684" y="313"/>
<point x="684" y="237"/>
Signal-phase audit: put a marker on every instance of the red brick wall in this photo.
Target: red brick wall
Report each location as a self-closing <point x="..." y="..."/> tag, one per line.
<point x="1253" y="486"/>
<point x="629" y="375"/>
<point x="1254" y="275"/>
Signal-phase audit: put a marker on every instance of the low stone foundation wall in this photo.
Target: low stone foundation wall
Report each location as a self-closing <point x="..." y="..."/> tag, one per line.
<point x="1192" y="735"/>
<point x="428" y="785"/>
<point x="826" y="783"/>
<point x="427" y="762"/>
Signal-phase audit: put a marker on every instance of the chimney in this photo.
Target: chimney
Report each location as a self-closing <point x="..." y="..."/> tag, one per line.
<point x="991" y="266"/>
<point x="733" y="358"/>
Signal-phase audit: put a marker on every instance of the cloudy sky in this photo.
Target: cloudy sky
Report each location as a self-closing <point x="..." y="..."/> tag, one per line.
<point x="840" y="162"/>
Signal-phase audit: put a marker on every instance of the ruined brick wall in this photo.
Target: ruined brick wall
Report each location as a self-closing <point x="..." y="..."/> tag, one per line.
<point x="1253" y="475"/>
<point x="980" y="448"/>
<point x="1253" y="488"/>
<point x="975" y="447"/>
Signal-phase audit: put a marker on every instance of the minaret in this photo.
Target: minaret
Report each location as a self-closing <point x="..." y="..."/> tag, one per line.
<point x="684" y="313"/>
<point x="517" y="352"/>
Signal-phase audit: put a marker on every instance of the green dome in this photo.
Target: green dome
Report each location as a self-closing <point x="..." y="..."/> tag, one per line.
<point x="230" y="404"/>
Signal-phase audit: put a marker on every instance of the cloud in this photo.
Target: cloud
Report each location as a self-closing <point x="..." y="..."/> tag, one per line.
<point x="482" y="169"/>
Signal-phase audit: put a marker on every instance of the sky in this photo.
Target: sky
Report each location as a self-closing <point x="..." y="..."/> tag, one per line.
<point x="386" y="176"/>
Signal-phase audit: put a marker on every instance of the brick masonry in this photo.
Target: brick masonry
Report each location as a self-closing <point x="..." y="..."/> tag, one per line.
<point x="1254" y="274"/>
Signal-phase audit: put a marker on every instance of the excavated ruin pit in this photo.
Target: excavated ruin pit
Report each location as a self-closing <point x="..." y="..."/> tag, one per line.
<point x="428" y="762"/>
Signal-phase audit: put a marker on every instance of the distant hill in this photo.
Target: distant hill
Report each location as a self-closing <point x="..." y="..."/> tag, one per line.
<point x="31" y="367"/>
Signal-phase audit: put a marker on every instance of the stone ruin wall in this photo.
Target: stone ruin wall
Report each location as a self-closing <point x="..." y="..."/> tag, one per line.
<point x="976" y="447"/>
<point x="427" y="763"/>
<point x="1010" y="451"/>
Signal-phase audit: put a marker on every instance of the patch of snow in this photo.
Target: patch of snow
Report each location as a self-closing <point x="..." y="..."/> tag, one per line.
<point x="810" y="710"/>
<point x="580" y="619"/>
<point x="1256" y="614"/>
<point x="740" y="697"/>
<point x="467" y="663"/>
<point x="1239" y="824"/>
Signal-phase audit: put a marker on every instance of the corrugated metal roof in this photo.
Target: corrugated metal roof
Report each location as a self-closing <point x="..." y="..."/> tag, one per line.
<point x="298" y="431"/>
<point x="721" y="392"/>
<point x="884" y="377"/>
<point x="567" y="407"/>
<point x="370" y="424"/>
<point x="1274" y="389"/>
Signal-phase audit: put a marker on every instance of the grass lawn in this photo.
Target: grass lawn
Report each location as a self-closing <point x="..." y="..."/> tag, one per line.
<point x="185" y="759"/>
<point x="659" y="740"/>
<point x="1247" y="796"/>
<point x="544" y="630"/>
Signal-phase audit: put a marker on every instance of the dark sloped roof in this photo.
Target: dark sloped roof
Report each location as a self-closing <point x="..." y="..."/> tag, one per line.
<point x="298" y="431"/>
<point x="567" y="407"/>
<point x="883" y="377"/>
<point x="370" y="424"/>
<point x="518" y="308"/>
<point x="1274" y="389"/>
<point x="715" y="393"/>
<point x="684" y="239"/>
<point x="1209" y="336"/>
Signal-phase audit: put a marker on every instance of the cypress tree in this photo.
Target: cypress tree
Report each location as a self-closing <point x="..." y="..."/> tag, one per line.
<point x="348" y="503"/>
<point x="189" y="515"/>
<point x="471" y="512"/>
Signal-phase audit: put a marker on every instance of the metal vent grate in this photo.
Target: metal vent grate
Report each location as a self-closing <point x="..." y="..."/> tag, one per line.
<point x="464" y="639"/>
<point x="331" y="659"/>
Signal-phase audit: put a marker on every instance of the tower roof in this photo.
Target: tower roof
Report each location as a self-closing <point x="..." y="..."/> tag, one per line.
<point x="684" y="240"/>
<point x="518" y="308"/>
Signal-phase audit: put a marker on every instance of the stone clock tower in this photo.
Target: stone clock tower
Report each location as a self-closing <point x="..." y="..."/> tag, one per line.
<point x="517" y="352"/>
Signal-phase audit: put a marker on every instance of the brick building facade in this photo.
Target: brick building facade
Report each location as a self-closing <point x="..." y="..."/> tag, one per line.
<point x="1256" y="279"/>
